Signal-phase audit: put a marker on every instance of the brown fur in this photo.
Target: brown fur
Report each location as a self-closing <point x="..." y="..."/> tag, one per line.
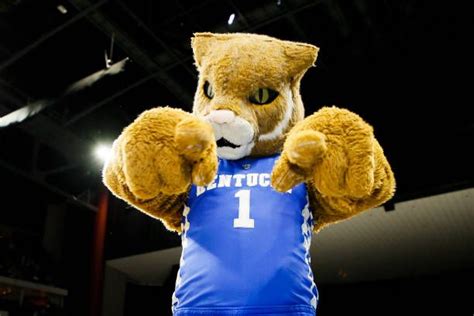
<point x="334" y="151"/>
<point x="348" y="173"/>
<point x="155" y="160"/>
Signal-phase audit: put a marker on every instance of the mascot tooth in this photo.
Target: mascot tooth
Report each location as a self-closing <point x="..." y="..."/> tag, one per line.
<point x="246" y="178"/>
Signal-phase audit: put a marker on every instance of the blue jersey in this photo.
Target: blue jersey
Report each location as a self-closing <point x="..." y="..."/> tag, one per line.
<point x="245" y="246"/>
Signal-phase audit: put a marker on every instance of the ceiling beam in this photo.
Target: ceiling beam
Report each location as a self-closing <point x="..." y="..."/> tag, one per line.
<point x="97" y="105"/>
<point x="48" y="132"/>
<point x="135" y="52"/>
<point x="152" y="34"/>
<point x="16" y="56"/>
<point x="70" y="198"/>
<point x="268" y="14"/>
<point x="273" y="13"/>
<point x="197" y="5"/>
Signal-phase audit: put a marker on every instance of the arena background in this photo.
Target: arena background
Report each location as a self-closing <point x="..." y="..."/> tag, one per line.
<point x="405" y="66"/>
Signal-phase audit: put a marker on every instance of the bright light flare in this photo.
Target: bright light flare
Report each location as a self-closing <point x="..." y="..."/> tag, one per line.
<point x="103" y="152"/>
<point x="231" y="19"/>
<point x="61" y="9"/>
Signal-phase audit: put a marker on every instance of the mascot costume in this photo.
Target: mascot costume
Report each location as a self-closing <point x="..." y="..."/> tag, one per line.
<point x="246" y="179"/>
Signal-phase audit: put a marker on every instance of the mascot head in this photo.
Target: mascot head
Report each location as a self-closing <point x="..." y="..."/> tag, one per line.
<point x="248" y="90"/>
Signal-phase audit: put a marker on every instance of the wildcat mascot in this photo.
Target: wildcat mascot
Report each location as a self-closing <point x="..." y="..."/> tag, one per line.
<point x="246" y="179"/>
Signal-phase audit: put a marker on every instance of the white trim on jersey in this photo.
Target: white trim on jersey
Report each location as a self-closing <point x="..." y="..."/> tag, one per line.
<point x="184" y="241"/>
<point x="306" y="230"/>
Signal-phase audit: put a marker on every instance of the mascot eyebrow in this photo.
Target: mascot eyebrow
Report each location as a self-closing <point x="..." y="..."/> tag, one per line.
<point x="246" y="178"/>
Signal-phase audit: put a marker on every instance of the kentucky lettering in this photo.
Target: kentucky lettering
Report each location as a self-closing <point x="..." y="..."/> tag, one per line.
<point x="237" y="181"/>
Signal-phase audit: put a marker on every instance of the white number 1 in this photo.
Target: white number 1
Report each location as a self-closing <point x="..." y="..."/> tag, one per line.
<point x="244" y="220"/>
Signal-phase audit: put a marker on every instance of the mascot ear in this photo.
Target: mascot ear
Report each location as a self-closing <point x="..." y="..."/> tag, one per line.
<point x="300" y="57"/>
<point x="200" y="44"/>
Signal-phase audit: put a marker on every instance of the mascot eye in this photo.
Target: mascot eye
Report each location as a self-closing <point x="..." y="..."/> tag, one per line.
<point x="263" y="96"/>
<point x="208" y="91"/>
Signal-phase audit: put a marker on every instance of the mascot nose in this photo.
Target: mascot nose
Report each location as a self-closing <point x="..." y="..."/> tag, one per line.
<point x="221" y="116"/>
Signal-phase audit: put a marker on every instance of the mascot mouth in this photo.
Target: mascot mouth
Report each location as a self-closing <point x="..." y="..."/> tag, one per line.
<point x="222" y="142"/>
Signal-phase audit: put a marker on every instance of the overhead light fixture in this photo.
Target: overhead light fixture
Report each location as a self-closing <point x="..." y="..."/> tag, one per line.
<point x="103" y="152"/>
<point x="61" y="9"/>
<point x="231" y="19"/>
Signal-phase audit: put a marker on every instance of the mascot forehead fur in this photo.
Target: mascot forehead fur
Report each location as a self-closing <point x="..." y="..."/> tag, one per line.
<point x="236" y="67"/>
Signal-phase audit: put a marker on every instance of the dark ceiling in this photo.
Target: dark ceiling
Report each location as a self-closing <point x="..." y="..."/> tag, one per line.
<point x="402" y="65"/>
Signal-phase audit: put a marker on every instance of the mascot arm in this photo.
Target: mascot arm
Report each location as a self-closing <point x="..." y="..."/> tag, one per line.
<point x="157" y="158"/>
<point x="335" y="152"/>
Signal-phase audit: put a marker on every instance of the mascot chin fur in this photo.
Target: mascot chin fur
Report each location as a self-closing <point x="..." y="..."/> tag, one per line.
<point x="246" y="179"/>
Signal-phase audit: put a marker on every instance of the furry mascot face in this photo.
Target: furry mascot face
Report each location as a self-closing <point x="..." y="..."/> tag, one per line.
<point x="248" y="90"/>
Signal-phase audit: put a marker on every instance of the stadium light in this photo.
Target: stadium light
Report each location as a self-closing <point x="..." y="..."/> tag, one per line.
<point x="103" y="152"/>
<point x="231" y="19"/>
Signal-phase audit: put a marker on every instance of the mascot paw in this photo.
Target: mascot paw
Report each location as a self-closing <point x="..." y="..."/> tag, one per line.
<point x="163" y="151"/>
<point x="304" y="149"/>
<point x="301" y="152"/>
<point x="196" y="143"/>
